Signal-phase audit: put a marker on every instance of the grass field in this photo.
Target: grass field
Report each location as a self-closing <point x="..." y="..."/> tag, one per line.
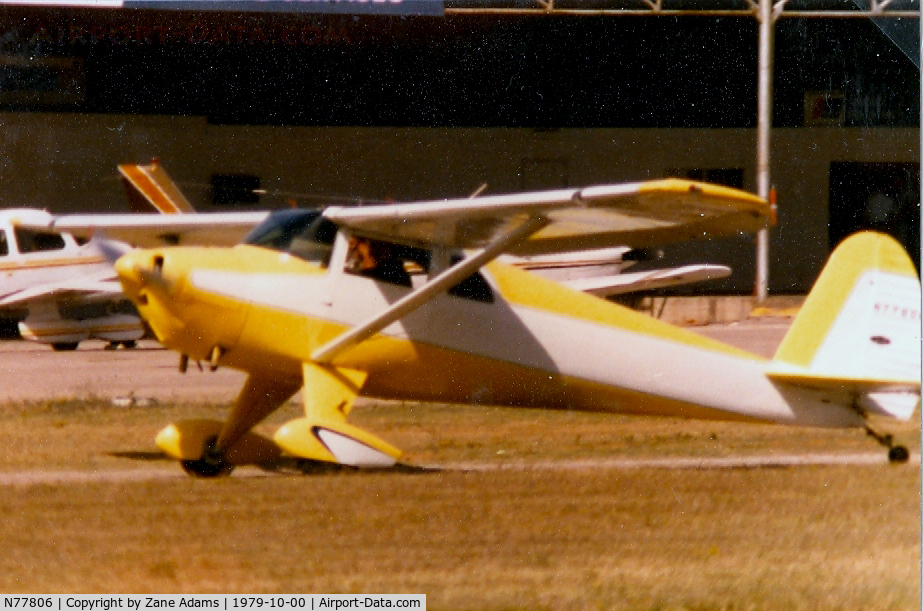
<point x="831" y="537"/>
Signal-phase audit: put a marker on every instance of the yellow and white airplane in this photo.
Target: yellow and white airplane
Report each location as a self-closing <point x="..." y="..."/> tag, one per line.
<point x="62" y="279"/>
<point x="407" y="302"/>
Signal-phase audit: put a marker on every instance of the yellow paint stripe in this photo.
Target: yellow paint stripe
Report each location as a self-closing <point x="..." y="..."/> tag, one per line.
<point x="840" y="383"/>
<point x="735" y="198"/>
<point x="525" y="289"/>
<point x="50" y="263"/>
<point x="45" y="331"/>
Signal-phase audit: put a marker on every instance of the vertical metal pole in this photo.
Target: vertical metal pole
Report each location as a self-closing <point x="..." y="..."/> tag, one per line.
<point x="763" y="132"/>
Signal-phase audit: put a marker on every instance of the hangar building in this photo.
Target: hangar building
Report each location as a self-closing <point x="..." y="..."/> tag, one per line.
<point x="249" y="110"/>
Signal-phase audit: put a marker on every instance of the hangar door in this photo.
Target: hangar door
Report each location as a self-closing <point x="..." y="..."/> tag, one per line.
<point x="880" y="196"/>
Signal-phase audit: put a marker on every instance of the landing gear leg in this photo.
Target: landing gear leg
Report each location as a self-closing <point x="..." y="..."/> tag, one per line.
<point x="896" y="453"/>
<point x="257" y="399"/>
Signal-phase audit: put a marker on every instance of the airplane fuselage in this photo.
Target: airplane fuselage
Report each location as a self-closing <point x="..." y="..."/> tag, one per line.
<point x="56" y="258"/>
<point x="534" y="343"/>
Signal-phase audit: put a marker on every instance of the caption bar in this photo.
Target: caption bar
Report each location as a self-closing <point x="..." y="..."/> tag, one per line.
<point x="224" y="602"/>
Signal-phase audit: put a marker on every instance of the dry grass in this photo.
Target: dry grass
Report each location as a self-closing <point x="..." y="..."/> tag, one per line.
<point x="798" y="538"/>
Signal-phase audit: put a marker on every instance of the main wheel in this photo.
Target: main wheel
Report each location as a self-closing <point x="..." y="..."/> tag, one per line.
<point x="64" y="346"/>
<point x="898" y="454"/>
<point x="211" y="463"/>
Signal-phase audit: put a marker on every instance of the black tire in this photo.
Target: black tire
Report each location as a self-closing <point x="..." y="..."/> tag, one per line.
<point x="64" y="346"/>
<point x="130" y="344"/>
<point x="206" y="468"/>
<point x="211" y="464"/>
<point x="898" y="454"/>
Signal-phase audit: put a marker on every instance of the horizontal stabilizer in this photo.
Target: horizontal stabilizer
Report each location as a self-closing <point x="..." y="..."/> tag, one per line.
<point x="900" y="405"/>
<point x="605" y="286"/>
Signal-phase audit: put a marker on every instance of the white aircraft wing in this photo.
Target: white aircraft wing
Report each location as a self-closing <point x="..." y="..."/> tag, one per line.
<point x="151" y="230"/>
<point x="635" y="214"/>
<point x="102" y="287"/>
<point x="605" y="286"/>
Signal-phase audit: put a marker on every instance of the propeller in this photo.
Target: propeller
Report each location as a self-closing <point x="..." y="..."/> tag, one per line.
<point x="111" y="250"/>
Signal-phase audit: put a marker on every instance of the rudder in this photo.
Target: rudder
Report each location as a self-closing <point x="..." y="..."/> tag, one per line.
<point x="149" y="188"/>
<point x="859" y="328"/>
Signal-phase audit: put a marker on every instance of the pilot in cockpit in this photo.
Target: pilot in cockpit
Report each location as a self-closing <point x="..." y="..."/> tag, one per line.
<point x="377" y="260"/>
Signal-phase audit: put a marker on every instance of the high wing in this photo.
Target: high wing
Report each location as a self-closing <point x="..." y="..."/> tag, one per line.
<point x="618" y="284"/>
<point x="150" y="230"/>
<point x="639" y="214"/>
<point x="636" y="214"/>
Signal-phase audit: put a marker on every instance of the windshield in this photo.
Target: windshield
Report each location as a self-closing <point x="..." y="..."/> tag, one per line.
<point x="303" y="233"/>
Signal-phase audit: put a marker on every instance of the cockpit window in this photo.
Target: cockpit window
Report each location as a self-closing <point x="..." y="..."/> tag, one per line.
<point x="395" y="263"/>
<point x="308" y="235"/>
<point x="385" y="262"/>
<point x="473" y="287"/>
<point x="303" y="233"/>
<point x="37" y="241"/>
<point x="4" y="245"/>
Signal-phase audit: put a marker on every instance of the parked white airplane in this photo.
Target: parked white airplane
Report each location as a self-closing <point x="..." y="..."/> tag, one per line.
<point x="64" y="283"/>
<point x="67" y="286"/>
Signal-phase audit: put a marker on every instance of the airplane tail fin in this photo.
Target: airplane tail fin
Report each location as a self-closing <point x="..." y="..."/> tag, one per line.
<point x="149" y="186"/>
<point x="859" y="329"/>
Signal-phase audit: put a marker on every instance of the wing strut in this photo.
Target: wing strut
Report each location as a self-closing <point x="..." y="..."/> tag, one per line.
<point x="407" y="304"/>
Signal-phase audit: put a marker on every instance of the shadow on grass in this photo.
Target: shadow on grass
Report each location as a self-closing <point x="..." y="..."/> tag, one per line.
<point x="288" y="464"/>
<point x="145" y="456"/>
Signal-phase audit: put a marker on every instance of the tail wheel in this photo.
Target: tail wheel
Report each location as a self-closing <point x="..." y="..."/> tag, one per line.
<point x="898" y="454"/>
<point x="211" y="464"/>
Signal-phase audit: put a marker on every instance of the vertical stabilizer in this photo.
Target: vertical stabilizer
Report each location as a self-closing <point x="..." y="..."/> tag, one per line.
<point x="149" y="186"/>
<point x="859" y="329"/>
